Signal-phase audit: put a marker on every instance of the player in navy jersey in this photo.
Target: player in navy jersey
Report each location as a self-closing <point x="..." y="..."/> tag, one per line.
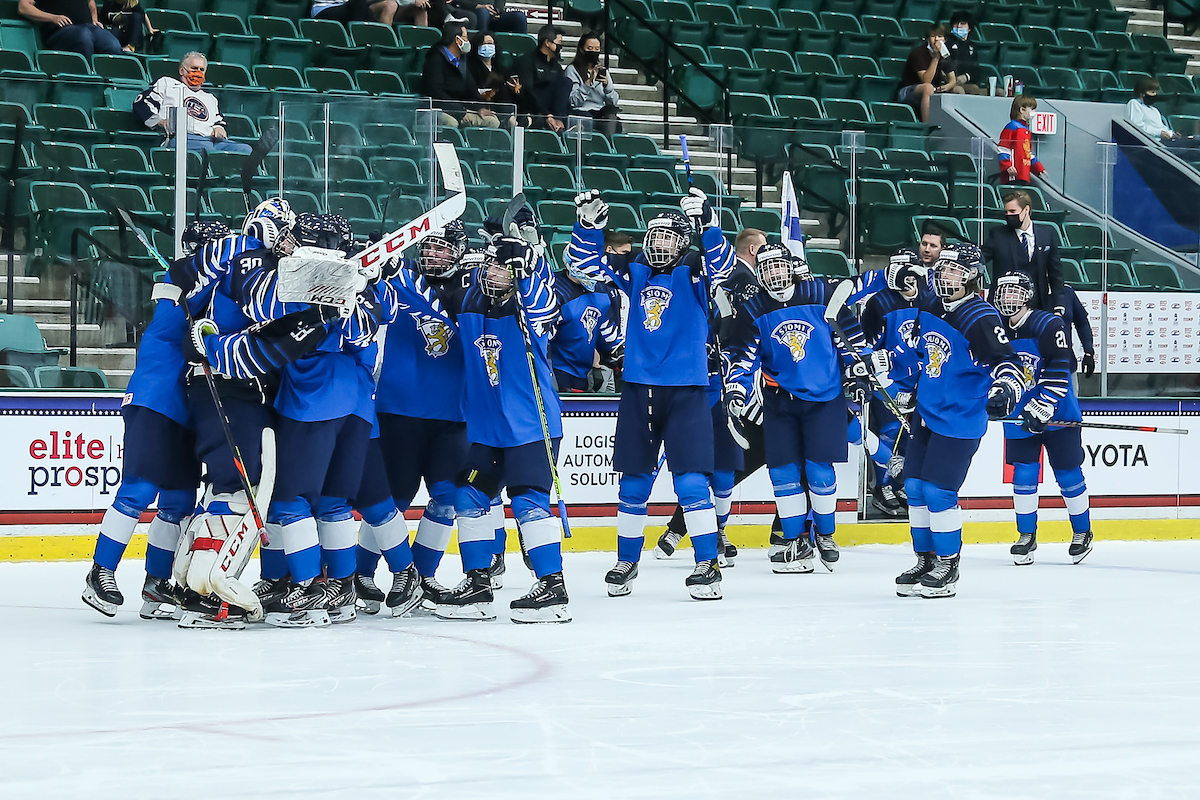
<point x="1040" y="339"/>
<point x="969" y="374"/>
<point x="591" y="323"/>
<point x="665" y="400"/>
<point x="159" y="441"/>
<point x="804" y="419"/>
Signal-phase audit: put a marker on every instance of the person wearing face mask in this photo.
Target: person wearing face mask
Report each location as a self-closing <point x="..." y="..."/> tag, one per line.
<point x="1146" y="117"/>
<point x="1022" y="246"/>
<point x="447" y="80"/>
<point x="495" y="84"/>
<point x="963" y="53"/>
<point x="592" y="93"/>
<point x="541" y="74"/>
<point x="205" y="125"/>
<point x="1017" y="159"/>
<point x="928" y="71"/>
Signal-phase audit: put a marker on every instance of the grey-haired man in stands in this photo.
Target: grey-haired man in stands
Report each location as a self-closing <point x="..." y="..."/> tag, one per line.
<point x="205" y="125"/>
<point x="70" y="25"/>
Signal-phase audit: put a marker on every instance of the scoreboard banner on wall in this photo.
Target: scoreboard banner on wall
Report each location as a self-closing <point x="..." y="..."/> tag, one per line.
<point x="1148" y="331"/>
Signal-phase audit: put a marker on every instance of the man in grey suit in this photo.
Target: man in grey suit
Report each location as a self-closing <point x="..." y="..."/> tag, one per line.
<point x="1025" y="247"/>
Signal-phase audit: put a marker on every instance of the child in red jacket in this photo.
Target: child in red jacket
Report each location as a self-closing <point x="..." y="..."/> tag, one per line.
<point x="1016" y="151"/>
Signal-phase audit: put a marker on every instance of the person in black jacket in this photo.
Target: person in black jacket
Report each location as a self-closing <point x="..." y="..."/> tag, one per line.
<point x="496" y="84"/>
<point x="1025" y="247"/>
<point x="448" y="82"/>
<point x="963" y="53"/>
<point x="543" y="76"/>
<point x="1076" y="321"/>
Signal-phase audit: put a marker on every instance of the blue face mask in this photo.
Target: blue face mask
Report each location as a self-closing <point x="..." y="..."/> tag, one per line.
<point x="487" y="51"/>
<point x="960" y="32"/>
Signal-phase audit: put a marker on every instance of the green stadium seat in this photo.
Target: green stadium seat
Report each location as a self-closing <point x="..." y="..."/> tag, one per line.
<point x="765" y="219"/>
<point x="121" y="69"/>
<point x="237" y="49"/>
<point x="950" y="225"/>
<point x="379" y="82"/>
<point x="221" y="24"/>
<point x="643" y="151"/>
<point x="271" y="27"/>
<point x="62" y="156"/>
<point x="1073" y="37"/>
<point x="882" y="26"/>
<point x="14" y="377"/>
<point x="396" y="171"/>
<point x="758" y="16"/>
<point x="799" y="19"/>
<point x="177" y="44"/>
<point x="61" y="62"/>
<point x="819" y="63"/>
<point x="70" y="378"/>
<point x="794" y="84"/>
<point x="1157" y="275"/>
<point x="827" y="263"/>
<point x="330" y="80"/>
<point x="843" y="23"/>
<point x="21" y="36"/>
<point x="928" y="196"/>
<point x="1120" y="277"/>
<point x="776" y="39"/>
<point x="1073" y="274"/>
<point x="273" y="77"/>
<point x="288" y="53"/>
<point x="1077" y="18"/>
<point x="170" y="19"/>
<point x="54" y="116"/>
<point x="48" y="196"/>
<point x="858" y="65"/>
<point x="1110" y="20"/>
<point x="673" y="10"/>
<point x="653" y="182"/>
<point x="1041" y="16"/>
<point x="373" y="34"/>
<point x="124" y="162"/>
<point x="238" y="8"/>
<point x="730" y="56"/>
<point x="773" y="60"/>
<point x="221" y="74"/>
<point x="417" y="38"/>
<point x="998" y="32"/>
<point x="1033" y="34"/>
<point x="716" y="14"/>
<point x="162" y="201"/>
<point x="818" y="41"/>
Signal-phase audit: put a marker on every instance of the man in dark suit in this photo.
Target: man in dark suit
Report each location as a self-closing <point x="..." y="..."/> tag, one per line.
<point x="1025" y="247"/>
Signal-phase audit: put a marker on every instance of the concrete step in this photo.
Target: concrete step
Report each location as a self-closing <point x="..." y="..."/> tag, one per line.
<point x="118" y="378"/>
<point x="24" y="288"/>
<point x="108" y="358"/>
<point x="58" y="334"/>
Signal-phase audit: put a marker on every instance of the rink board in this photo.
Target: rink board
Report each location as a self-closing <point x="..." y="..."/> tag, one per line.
<point x="60" y="465"/>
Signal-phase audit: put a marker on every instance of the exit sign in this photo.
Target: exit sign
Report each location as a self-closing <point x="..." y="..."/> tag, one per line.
<point x="1044" y="122"/>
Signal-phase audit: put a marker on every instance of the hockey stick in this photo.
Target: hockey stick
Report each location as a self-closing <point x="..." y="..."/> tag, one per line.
<point x="510" y="229"/>
<point x="226" y="428"/>
<point x="265" y="144"/>
<point x="836" y="303"/>
<point x="1109" y="426"/>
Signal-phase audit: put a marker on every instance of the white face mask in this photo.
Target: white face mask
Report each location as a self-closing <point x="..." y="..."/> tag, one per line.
<point x="465" y="46"/>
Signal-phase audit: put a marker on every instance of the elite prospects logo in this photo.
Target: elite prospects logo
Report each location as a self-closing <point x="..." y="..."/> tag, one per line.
<point x="793" y="334"/>
<point x="437" y="335"/>
<point x="937" y="353"/>
<point x="489" y="348"/>
<point x="590" y="319"/>
<point x="655" y="300"/>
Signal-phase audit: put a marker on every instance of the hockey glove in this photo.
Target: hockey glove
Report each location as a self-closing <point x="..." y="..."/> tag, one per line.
<point x="194" y="347"/>
<point x="754" y="408"/>
<point x="881" y="362"/>
<point x="517" y="255"/>
<point x="592" y="211"/>
<point x="697" y="208"/>
<point x="1003" y="397"/>
<point x="527" y="226"/>
<point x="1087" y="365"/>
<point x="1036" y="414"/>
<point x="895" y="465"/>
<point x="857" y="389"/>
<point x="906" y="402"/>
<point x="903" y="275"/>
<point x="735" y="412"/>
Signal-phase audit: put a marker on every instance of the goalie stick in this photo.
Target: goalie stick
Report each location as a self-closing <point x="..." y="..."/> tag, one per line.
<point x="510" y="229"/>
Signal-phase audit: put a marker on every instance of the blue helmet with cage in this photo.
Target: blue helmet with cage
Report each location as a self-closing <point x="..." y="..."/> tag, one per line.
<point x="197" y="234"/>
<point x="330" y="231"/>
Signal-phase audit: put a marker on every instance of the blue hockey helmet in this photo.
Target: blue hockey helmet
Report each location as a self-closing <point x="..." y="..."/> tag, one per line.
<point x="197" y="234"/>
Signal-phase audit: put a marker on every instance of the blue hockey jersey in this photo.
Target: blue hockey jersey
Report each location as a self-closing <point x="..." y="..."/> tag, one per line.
<point x="889" y="322"/>
<point x="1041" y="344"/>
<point x="590" y="321"/>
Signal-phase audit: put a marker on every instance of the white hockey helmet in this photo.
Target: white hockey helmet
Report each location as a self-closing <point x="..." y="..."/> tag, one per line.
<point x="271" y="223"/>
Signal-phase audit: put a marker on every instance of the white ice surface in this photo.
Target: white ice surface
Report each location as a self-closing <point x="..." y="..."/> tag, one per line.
<point x="1047" y="681"/>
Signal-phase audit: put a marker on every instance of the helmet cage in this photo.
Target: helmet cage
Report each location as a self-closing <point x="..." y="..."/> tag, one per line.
<point x="775" y="272"/>
<point x="495" y="279"/>
<point x="1012" y="295"/>
<point x="439" y="257"/>
<point x="663" y="246"/>
<point x="951" y="279"/>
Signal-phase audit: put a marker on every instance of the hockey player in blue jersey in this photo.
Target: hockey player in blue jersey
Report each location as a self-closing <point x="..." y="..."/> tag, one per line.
<point x="1040" y="339"/>
<point x="591" y="324"/>
<point x="664" y="402"/>
<point x="969" y="374"/>
<point x="159" y="442"/>
<point x="804" y="408"/>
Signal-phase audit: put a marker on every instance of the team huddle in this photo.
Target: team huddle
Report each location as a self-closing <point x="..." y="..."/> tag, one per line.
<point x="283" y="415"/>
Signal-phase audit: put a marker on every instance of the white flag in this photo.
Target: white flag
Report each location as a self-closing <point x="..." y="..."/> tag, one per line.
<point x="789" y="226"/>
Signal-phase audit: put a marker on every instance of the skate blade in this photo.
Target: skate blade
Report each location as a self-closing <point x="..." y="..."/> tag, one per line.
<point x="475" y="612"/>
<point x="1022" y="560"/>
<point x="828" y="564"/>
<point x="497" y="583"/>
<point x="802" y="566"/>
<point x="369" y="606"/>
<point x="549" y="614"/>
<point x="1081" y="556"/>
<point x="93" y="600"/>
<point x="661" y="553"/>
<point x="908" y="590"/>
<point x="339" y="616"/>
<point x="404" y="608"/>
<point x="619" y="589"/>
<point x="775" y="550"/>
<point x="318" y="618"/>
<point x="154" y="610"/>
<point x="710" y="592"/>
<point x="198" y="620"/>
<point x="930" y="593"/>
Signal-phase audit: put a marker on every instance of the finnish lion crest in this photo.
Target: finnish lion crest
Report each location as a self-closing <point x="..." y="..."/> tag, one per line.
<point x="655" y="300"/>
<point x="937" y="353"/>
<point x="907" y="331"/>
<point x="1029" y="367"/>
<point x="489" y="347"/>
<point x="793" y="334"/>
<point x="590" y="319"/>
<point x="436" y="333"/>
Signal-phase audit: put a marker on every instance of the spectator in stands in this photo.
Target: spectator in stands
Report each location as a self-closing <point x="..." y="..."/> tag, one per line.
<point x="928" y="71"/>
<point x="129" y="22"/>
<point x="963" y="56"/>
<point x="592" y="93"/>
<point x="544" y="78"/>
<point x="1025" y="247"/>
<point x="617" y="243"/>
<point x="70" y="25"/>
<point x="447" y="80"/>
<point x="933" y="241"/>
<point x="745" y="246"/>
<point x="1017" y="159"/>
<point x="484" y="16"/>
<point x="1149" y="120"/>
<point x="385" y="11"/>
<point x="205" y="125"/>
<point x="496" y="85"/>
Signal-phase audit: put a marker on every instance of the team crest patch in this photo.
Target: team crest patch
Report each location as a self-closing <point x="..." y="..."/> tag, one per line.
<point x="655" y="300"/>
<point x="937" y="353"/>
<point x="489" y="348"/>
<point x="590" y="319"/>
<point x="1029" y="367"/>
<point x="907" y="331"/>
<point x="437" y="335"/>
<point x="793" y="334"/>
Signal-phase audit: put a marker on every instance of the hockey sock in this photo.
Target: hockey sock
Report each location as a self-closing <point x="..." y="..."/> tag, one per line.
<point x="945" y="519"/>
<point x="273" y="563"/>
<point x="822" y="484"/>
<point x="633" y="495"/>
<point x="367" y="551"/>
<point x="496" y="515"/>
<point x="722" y="489"/>
<point x="433" y="535"/>
<point x="790" y="499"/>
<point x="699" y="515"/>
<point x="1075" y="493"/>
<point x="339" y="543"/>
<point x="385" y="527"/>
<point x="115" y="532"/>
<point x="1025" y="496"/>
<point x="918" y="516"/>
<point x="676" y="522"/>
<point x="540" y="530"/>
<point x="476" y="536"/>
<point x="161" y="541"/>
<point x="302" y="549"/>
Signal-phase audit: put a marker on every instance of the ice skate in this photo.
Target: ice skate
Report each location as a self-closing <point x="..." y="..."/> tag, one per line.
<point x="340" y="600"/>
<point x="470" y="600"/>
<point x="303" y="606"/>
<point x="908" y="583"/>
<point x="727" y="547"/>
<point x="1081" y="545"/>
<point x="406" y="592"/>
<point x="942" y="580"/>
<point x="668" y="543"/>
<point x="827" y="549"/>
<point x="496" y="571"/>
<point x="210" y="613"/>
<point x="370" y="596"/>
<point x="620" y="578"/>
<point x="884" y="498"/>
<point x="794" y="558"/>
<point x="100" y="591"/>
<point x="778" y="543"/>
<point x="432" y="593"/>
<point x="545" y="602"/>
<point x="159" y="599"/>
<point x="705" y="581"/>
<point x="268" y="590"/>
<point x="1022" y="551"/>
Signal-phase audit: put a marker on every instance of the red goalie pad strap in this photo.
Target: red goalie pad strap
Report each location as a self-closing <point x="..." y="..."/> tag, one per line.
<point x="207" y="543"/>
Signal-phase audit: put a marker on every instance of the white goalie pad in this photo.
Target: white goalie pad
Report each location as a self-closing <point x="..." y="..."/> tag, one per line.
<point x="319" y="276"/>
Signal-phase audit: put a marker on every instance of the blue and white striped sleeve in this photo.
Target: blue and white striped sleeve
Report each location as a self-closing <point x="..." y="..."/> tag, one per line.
<point x="539" y="300"/>
<point x="718" y="256"/>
